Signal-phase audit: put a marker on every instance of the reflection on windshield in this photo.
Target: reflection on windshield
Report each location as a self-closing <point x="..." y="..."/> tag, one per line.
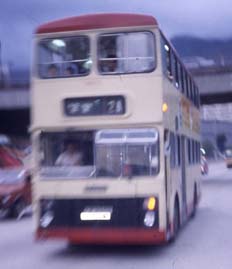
<point x="126" y="53"/>
<point x="109" y="160"/>
<point x="105" y="153"/>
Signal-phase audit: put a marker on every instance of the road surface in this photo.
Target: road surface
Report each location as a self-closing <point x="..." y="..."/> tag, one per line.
<point x="205" y="242"/>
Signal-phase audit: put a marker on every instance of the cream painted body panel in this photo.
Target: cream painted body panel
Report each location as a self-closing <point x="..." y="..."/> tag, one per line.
<point x="48" y="94"/>
<point x="193" y="175"/>
<point x="49" y="111"/>
<point x="189" y="126"/>
<point x="144" y="94"/>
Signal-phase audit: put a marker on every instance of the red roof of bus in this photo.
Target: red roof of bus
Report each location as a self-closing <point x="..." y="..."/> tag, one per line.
<point x="87" y="22"/>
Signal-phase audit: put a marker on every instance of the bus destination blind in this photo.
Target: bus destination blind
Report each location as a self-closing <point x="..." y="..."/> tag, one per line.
<point x="95" y="106"/>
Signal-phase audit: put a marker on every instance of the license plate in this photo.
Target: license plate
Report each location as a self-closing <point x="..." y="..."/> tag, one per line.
<point x="96" y="213"/>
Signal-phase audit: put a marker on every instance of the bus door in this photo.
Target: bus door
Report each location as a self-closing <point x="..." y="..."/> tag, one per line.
<point x="183" y="177"/>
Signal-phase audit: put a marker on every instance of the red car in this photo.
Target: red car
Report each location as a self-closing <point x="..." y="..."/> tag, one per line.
<point x="15" y="185"/>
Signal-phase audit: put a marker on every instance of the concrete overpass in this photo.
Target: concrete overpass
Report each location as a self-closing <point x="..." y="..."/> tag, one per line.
<point x="215" y="84"/>
<point x="14" y="98"/>
<point x="14" y="111"/>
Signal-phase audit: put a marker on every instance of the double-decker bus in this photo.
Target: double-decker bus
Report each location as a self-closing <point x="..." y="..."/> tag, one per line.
<point x="115" y="132"/>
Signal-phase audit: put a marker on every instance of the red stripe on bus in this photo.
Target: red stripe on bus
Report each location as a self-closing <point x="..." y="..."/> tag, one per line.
<point x="104" y="236"/>
<point x="97" y="21"/>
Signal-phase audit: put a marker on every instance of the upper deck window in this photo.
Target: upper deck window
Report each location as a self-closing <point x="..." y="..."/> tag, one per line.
<point x="124" y="53"/>
<point x="64" y="57"/>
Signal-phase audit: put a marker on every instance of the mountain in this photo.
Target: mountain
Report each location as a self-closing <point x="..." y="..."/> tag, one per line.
<point x="218" y="50"/>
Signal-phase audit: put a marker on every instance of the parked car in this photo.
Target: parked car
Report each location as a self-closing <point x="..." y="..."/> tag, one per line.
<point x="228" y="158"/>
<point x="204" y="163"/>
<point x="15" y="184"/>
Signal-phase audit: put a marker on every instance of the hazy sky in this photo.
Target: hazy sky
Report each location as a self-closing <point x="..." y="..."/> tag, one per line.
<point x="19" y="18"/>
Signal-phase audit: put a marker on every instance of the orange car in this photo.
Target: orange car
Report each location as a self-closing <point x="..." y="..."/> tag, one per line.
<point x="15" y="185"/>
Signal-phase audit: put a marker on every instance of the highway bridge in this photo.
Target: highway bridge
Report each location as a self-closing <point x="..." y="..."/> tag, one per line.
<point x="215" y="84"/>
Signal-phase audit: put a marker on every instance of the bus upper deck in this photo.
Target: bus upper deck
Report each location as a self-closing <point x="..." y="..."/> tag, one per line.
<point x="112" y="60"/>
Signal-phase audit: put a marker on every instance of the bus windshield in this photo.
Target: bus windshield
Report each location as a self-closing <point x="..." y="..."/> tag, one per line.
<point x="104" y="153"/>
<point x="123" y="53"/>
<point x="64" y="57"/>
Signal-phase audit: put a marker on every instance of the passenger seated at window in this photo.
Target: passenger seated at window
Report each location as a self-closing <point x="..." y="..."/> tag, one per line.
<point x="71" y="70"/>
<point x="52" y="71"/>
<point x="109" y="66"/>
<point x="71" y="156"/>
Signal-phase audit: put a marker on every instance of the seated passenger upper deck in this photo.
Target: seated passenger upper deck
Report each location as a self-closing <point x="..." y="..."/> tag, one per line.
<point x="62" y="53"/>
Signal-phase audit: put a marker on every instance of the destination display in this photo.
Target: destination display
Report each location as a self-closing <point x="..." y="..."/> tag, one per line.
<point x="95" y="106"/>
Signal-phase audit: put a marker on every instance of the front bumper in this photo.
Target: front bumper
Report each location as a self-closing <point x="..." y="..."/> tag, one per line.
<point x="129" y="222"/>
<point x="129" y="236"/>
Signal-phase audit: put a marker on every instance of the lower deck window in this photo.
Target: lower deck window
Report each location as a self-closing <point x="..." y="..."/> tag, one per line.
<point x="113" y="153"/>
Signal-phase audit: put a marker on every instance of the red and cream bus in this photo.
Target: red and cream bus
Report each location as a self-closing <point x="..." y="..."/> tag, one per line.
<point x="115" y="131"/>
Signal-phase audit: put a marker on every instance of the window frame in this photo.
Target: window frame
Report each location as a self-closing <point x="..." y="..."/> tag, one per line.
<point x="37" y="64"/>
<point x="125" y="33"/>
<point x="177" y="73"/>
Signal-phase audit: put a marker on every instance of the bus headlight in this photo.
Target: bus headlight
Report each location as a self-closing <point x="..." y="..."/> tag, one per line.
<point x="149" y="218"/>
<point x="46" y="215"/>
<point x="150" y="205"/>
<point x="46" y="219"/>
